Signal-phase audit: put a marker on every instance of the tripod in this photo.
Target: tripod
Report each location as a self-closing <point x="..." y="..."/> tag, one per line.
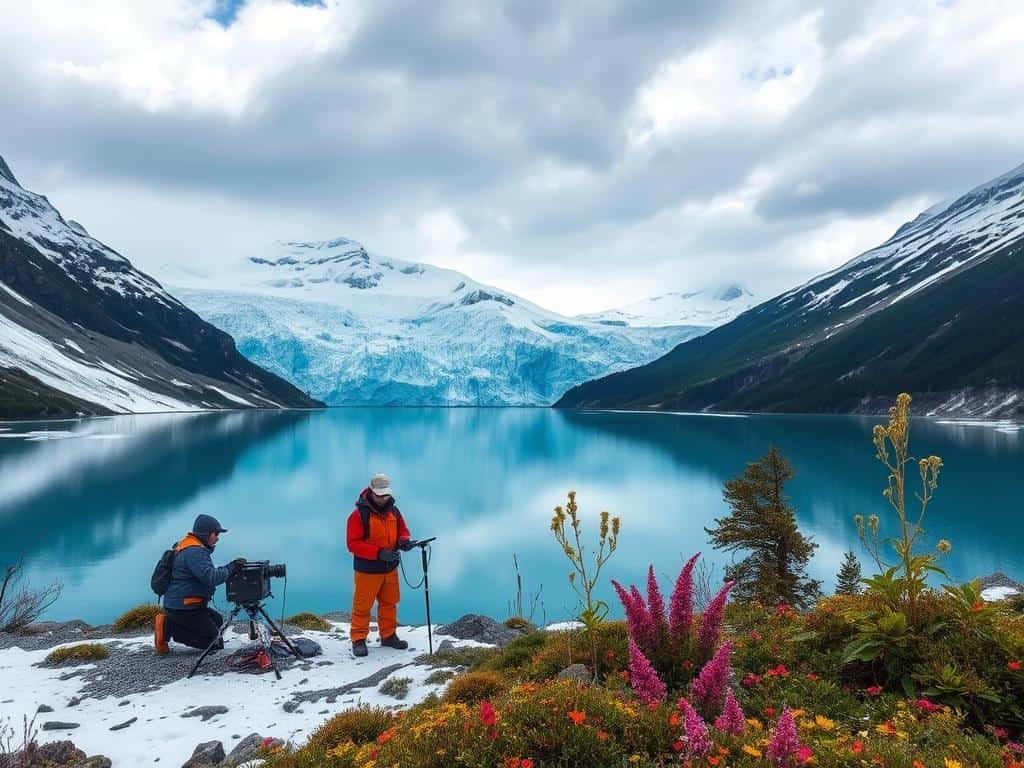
<point x="258" y="621"/>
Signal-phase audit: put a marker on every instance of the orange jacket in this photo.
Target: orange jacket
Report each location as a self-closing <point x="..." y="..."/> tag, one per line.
<point x="384" y="529"/>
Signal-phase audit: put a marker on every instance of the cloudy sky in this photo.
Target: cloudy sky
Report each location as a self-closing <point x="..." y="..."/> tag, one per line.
<point x="583" y="154"/>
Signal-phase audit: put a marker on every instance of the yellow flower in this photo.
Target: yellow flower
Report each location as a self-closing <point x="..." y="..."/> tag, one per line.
<point x="824" y="723"/>
<point x="751" y="751"/>
<point x="951" y="763"/>
<point x="634" y="758"/>
<point x="754" y="723"/>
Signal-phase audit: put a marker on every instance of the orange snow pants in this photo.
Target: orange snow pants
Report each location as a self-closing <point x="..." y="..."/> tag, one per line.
<point x="382" y="587"/>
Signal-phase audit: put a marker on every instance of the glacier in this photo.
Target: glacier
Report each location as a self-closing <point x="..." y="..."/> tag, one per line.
<point x="354" y="328"/>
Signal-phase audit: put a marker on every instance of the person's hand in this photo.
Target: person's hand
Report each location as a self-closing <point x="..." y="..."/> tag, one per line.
<point x="388" y="555"/>
<point x="236" y="565"/>
<point x="406" y="544"/>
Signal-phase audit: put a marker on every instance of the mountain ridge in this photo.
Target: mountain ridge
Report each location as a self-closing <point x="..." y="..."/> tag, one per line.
<point x="83" y="332"/>
<point x="847" y="339"/>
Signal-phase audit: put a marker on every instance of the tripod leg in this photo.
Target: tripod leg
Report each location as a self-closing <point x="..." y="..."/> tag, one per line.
<point x="220" y="637"/>
<point x="281" y="634"/>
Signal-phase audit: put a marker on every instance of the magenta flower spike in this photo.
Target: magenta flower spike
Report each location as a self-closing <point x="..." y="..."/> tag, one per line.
<point x="710" y="686"/>
<point x="642" y="678"/>
<point x="697" y="741"/>
<point x="681" y="604"/>
<point x="656" y="603"/>
<point x="711" y="621"/>
<point x="732" y="720"/>
<point x="784" y="743"/>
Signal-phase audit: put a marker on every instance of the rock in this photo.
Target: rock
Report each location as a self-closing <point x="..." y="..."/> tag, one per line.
<point x="122" y="726"/>
<point x="57" y="725"/>
<point x="206" y="712"/>
<point x="245" y="750"/>
<point x="480" y="628"/>
<point x="96" y="761"/>
<point x="577" y="672"/>
<point x="446" y="645"/>
<point x="44" y="708"/>
<point x="207" y="753"/>
<point x="290" y="706"/>
<point x="249" y="749"/>
<point x="74" y="701"/>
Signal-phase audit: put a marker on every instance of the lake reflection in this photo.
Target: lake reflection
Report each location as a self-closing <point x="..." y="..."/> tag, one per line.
<point x="96" y="503"/>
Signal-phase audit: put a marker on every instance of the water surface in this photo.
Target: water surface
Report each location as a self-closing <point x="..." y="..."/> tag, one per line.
<point x="93" y="503"/>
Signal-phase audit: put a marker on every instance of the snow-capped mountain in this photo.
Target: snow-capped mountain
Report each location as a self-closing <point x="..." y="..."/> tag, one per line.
<point x="937" y="310"/>
<point x="354" y="328"/>
<point x="84" y="332"/>
<point x="707" y="308"/>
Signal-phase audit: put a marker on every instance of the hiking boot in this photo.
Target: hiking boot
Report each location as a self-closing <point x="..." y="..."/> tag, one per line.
<point x="394" y="642"/>
<point x="359" y="648"/>
<point x="160" y="634"/>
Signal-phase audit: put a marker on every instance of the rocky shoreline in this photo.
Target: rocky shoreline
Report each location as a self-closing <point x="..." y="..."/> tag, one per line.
<point x="113" y="710"/>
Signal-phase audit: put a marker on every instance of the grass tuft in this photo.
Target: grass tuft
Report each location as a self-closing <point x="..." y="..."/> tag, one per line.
<point x="80" y="653"/>
<point x="139" y="617"/>
<point x="309" y="620"/>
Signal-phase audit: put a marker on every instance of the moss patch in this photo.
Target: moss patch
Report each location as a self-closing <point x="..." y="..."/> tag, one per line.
<point x="139" y="617"/>
<point x="78" y="653"/>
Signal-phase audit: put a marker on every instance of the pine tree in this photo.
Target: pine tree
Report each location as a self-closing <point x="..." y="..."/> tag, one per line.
<point x="763" y="523"/>
<point x="848" y="579"/>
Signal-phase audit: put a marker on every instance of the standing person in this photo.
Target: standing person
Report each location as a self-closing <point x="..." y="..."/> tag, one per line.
<point x="187" y="617"/>
<point x="375" y="533"/>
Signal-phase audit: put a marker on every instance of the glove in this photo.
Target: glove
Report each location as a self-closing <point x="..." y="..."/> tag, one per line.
<point x="236" y="565"/>
<point x="388" y="555"/>
<point x="406" y="544"/>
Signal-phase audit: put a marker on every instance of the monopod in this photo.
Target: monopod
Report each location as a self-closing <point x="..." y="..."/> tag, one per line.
<point x="424" y="546"/>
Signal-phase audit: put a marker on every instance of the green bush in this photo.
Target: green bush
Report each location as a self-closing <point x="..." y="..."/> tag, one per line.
<point x="397" y="687"/>
<point x="466" y="656"/>
<point x="77" y="653"/>
<point x="139" y="617"/>
<point x="471" y="687"/>
<point x="308" y="620"/>
<point x="440" y="676"/>
<point x="361" y="725"/>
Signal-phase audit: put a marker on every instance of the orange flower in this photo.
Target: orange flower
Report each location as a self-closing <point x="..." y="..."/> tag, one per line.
<point x="977" y="606"/>
<point x="714" y="760"/>
<point x="857" y="747"/>
<point x="1013" y="666"/>
<point x="917" y="764"/>
<point x="385" y="737"/>
<point x="577" y="717"/>
<point x="526" y="763"/>
<point x="602" y="736"/>
<point x="673" y="719"/>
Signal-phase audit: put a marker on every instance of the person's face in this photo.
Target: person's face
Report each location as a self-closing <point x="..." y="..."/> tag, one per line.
<point x="380" y="499"/>
<point x="212" y="538"/>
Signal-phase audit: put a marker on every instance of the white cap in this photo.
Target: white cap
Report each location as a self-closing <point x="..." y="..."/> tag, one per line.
<point x="380" y="484"/>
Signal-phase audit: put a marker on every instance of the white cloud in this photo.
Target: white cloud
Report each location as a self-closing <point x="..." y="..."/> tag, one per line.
<point x="581" y="158"/>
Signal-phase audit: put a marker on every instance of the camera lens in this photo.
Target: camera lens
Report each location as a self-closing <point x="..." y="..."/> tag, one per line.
<point x="276" y="571"/>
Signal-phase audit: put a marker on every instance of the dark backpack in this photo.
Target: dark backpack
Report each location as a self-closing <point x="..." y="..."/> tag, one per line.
<point x="161" y="578"/>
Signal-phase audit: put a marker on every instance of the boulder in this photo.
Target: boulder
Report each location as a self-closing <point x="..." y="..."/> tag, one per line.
<point x="577" y="672"/>
<point x="57" y="725"/>
<point x="483" y="629"/>
<point x="249" y="749"/>
<point x="207" y="753"/>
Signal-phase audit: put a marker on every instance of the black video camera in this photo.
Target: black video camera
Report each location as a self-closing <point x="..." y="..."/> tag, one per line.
<point x="251" y="583"/>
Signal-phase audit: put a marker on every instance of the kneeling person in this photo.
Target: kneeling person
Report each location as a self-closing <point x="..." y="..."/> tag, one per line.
<point x="187" y="617"/>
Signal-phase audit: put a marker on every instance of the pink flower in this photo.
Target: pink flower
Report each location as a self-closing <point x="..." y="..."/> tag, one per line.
<point x="655" y="603"/>
<point x="697" y="741"/>
<point x="638" y="619"/>
<point x="804" y="755"/>
<point x="681" y="604"/>
<point x="778" y="671"/>
<point x="487" y="714"/>
<point x="755" y="635"/>
<point x="874" y="690"/>
<point x="711" y="621"/>
<point x="751" y="679"/>
<point x="708" y="691"/>
<point x="784" y="742"/>
<point x="645" y="681"/>
<point x="926" y="706"/>
<point x="731" y="720"/>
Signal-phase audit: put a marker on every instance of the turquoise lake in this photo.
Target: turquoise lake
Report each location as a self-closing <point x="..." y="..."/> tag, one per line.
<point x="93" y="503"/>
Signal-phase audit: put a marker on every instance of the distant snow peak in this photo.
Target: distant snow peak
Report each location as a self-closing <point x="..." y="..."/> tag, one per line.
<point x="707" y="308"/>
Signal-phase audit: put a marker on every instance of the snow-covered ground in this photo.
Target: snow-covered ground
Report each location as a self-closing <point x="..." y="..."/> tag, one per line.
<point x="708" y="308"/>
<point x="255" y="703"/>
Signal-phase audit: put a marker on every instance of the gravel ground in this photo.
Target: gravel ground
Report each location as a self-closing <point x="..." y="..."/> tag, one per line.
<point x="131" y="668"/>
